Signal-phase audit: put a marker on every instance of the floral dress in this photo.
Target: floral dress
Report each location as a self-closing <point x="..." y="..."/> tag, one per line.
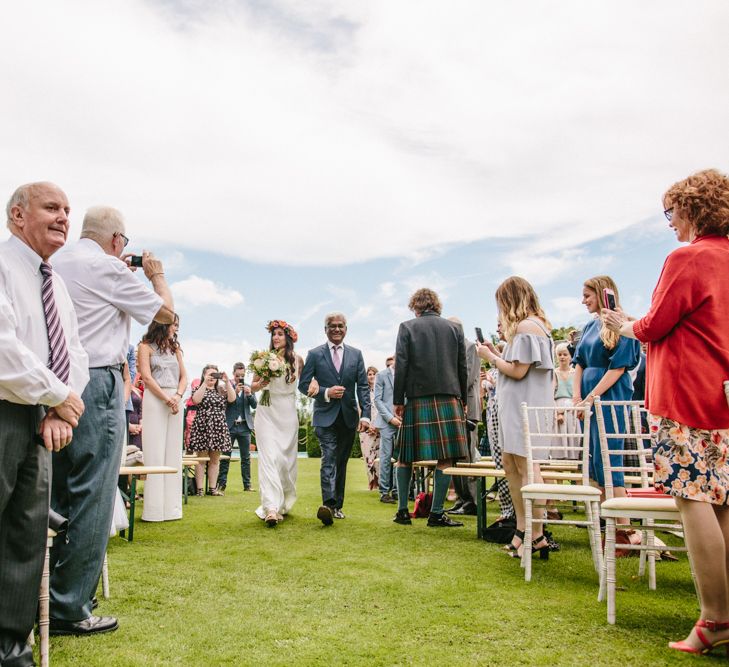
<point x="209" y="431"/>
<point x="691" y="463"/>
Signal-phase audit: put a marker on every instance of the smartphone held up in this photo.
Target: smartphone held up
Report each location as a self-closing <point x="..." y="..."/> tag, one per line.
<point x="608" y="299"/>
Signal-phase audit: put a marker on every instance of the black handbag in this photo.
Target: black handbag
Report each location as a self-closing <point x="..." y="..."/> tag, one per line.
<point x="500" y="532"/>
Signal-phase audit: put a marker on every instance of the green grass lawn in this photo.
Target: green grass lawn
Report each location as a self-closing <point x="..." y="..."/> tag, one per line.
<point x="220" y="588"/>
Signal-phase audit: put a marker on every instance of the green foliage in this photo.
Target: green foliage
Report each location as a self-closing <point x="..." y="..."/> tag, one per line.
<point x="313" y="450"/>
<point x="366" y="592"/>
<point x="356" y="448"/>
<point x="562" y="333"/>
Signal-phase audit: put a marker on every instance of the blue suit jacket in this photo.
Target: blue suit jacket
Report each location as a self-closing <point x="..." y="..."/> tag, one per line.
<point x="352" y="376"/>
<point x="384" y="385"/>
<point x="242" y="405"/>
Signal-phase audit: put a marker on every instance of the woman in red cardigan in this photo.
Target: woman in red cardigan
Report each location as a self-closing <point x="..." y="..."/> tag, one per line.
<point x="687" y="327"/>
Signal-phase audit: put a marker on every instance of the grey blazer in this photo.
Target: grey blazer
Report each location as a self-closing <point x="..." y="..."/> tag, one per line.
<point x="384" y="386"/>
<point x="473" y="365"/>
<point x="430" y="359"/>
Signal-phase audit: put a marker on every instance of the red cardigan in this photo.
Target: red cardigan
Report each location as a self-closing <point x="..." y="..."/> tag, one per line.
<point x="687" y="331"/>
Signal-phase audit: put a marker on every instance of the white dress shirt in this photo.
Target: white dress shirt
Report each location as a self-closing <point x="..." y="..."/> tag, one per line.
<point x="106" y="295"/>
<point x="24" y="374"/>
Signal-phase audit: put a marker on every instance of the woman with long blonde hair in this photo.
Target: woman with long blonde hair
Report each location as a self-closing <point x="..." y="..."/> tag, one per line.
<point x="602" y="359"/>
<point x="526" y="374"/>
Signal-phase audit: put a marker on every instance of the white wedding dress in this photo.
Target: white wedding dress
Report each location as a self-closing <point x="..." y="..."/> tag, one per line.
<point x="277" y="429"/>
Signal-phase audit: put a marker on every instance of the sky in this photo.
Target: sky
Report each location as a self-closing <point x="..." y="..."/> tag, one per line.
<point x="286" y="159"/>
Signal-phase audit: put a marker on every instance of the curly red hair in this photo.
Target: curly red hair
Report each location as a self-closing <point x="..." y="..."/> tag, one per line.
<point x="704" y="196"/>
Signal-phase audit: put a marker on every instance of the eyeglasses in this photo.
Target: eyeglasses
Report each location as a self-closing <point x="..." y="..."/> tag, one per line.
<point x="668" y="213"/>
<point x="126" y="240"/>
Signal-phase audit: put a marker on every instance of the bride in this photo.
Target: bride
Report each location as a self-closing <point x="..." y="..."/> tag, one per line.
<point x="276" y="427"/>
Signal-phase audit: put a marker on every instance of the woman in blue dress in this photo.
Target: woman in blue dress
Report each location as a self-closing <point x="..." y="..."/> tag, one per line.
<point x="602" y="359"/>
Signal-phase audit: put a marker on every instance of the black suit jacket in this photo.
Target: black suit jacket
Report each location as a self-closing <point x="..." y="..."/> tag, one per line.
<point x="352" y="376"/>
<point x="242" y="405"/>
<point x="430" y="359"/>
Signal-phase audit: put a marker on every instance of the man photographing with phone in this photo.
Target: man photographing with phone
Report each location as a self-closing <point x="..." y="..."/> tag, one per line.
<point x="239" y="418"/>
<point x="106" y="296"/>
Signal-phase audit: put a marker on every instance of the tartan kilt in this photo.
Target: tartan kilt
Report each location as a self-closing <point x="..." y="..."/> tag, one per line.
<point x="433" y="427"/>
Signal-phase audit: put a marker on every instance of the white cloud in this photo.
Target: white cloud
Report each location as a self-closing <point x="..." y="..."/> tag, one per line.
<point x="566" y="310"/>
<point x="357" y="130"/>
<point x="196" y="291"/>
<point x="199" y="351"/>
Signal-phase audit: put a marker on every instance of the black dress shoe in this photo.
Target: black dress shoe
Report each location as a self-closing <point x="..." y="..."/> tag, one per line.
<point x="441" y="521"/>
<point x="89" y="626"/>
<point x="403" y="518"/>
<point x="387" y="498"/>
<point x="456" y="506"/>
<point x="467" y="509"/>
<point x="325" y="515"/>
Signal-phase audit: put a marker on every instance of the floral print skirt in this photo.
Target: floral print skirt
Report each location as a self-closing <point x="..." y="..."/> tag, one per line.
<point x="689" y="462"/>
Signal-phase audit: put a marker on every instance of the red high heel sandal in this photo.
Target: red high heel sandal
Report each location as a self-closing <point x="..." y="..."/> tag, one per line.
<point x="713" y="626"/>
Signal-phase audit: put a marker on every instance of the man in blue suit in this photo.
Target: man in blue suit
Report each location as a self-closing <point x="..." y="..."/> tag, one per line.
<point x="239" y="417"/>
<point x="340" y="372"/>
<point x="388" y="423"/>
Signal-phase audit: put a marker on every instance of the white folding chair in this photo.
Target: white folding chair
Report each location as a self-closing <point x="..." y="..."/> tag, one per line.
<point x="645" y="504"/>
<point x="540" y="436"/>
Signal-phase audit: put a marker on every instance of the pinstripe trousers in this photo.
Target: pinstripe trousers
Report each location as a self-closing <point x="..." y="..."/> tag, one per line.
<point x="24" y="498"/>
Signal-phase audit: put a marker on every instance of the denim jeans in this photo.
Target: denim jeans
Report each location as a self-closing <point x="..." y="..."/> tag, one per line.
<point x="83" y="489"/>
<point x="387" y="440"/>
<point x="244" y="446"/>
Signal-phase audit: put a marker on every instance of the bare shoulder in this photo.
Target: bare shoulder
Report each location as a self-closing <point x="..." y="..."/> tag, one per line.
<point x="529" y="327"/>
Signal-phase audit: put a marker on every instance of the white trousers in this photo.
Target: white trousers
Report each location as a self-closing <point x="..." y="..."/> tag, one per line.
<point x="162" y="446"/>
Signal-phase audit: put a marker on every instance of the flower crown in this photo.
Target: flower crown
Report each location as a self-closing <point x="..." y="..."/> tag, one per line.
<point x="283" y="324"/>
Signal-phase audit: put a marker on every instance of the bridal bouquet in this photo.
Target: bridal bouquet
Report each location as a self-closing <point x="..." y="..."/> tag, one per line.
<point x="267" y="364"/>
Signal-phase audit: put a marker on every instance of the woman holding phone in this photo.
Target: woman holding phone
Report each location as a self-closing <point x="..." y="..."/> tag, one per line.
<point x="209" y="434"/>
<point x="602" y="359"/>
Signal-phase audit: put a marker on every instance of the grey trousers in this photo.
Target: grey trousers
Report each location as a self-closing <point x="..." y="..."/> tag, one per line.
<point x="24" y="487"/>
<point x="84" y="485"/>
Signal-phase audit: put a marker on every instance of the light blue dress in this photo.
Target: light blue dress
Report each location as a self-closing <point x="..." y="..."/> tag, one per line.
<point x="596" y="360"/>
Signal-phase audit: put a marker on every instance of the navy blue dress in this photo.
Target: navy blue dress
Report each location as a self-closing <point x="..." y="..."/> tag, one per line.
<point x="596" y="360"/>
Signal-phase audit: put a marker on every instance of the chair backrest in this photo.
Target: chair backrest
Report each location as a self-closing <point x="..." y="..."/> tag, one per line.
<point x="541" y="435"/>
<point x="624" y="421"/>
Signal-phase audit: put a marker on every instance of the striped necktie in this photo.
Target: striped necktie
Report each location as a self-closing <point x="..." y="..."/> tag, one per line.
<point x="58" y="360"/>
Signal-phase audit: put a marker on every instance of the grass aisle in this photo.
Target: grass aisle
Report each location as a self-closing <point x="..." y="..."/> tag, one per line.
<point x="219" y="588"/>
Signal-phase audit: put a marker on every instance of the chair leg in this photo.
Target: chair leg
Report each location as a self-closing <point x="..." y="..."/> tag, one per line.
<point x="526" y="552"/>
<point x="644" y="550"/>
<point x="610" y="568"/>
<point x="105" y="578"/>
<point x="43" y="610"/>
<point x="592" y="517"/>
<point x="651" y="556"/>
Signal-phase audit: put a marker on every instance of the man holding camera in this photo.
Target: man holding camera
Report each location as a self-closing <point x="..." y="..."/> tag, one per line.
<point x="239" y="417"/>
<point x="106" y="295"/>
<point x="43" y="372"/>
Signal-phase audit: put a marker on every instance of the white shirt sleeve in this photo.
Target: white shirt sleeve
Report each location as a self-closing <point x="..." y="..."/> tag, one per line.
<point x="21" y="371"/>
<point x="133" y="297"/>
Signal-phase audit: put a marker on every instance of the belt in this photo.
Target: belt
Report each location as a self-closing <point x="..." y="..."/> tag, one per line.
<point x="113" y="367"/>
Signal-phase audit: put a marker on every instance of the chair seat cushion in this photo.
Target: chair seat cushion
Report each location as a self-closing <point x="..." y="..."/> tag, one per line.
<point x="641" y="504"/>
<point x="562" y="489"/>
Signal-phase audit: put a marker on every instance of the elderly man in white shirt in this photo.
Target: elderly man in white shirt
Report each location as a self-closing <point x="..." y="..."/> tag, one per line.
<point x="106" y="295"/>
<point x="43" y="370"/>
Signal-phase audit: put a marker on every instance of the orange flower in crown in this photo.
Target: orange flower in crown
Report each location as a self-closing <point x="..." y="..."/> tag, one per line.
<point x="283" y="324"/>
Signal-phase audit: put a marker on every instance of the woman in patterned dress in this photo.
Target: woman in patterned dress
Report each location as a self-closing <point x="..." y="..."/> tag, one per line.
<point x="369" y="439"/>
<point x="209" y="434"/>
<point x="687" y="326"/>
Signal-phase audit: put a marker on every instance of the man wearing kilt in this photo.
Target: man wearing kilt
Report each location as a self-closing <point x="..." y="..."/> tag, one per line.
<point x="430" y="358"/>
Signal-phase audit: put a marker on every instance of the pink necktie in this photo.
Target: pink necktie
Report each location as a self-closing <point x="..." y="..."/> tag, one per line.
<point x="336" y="358"/>
<point x="59" y="362"/>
